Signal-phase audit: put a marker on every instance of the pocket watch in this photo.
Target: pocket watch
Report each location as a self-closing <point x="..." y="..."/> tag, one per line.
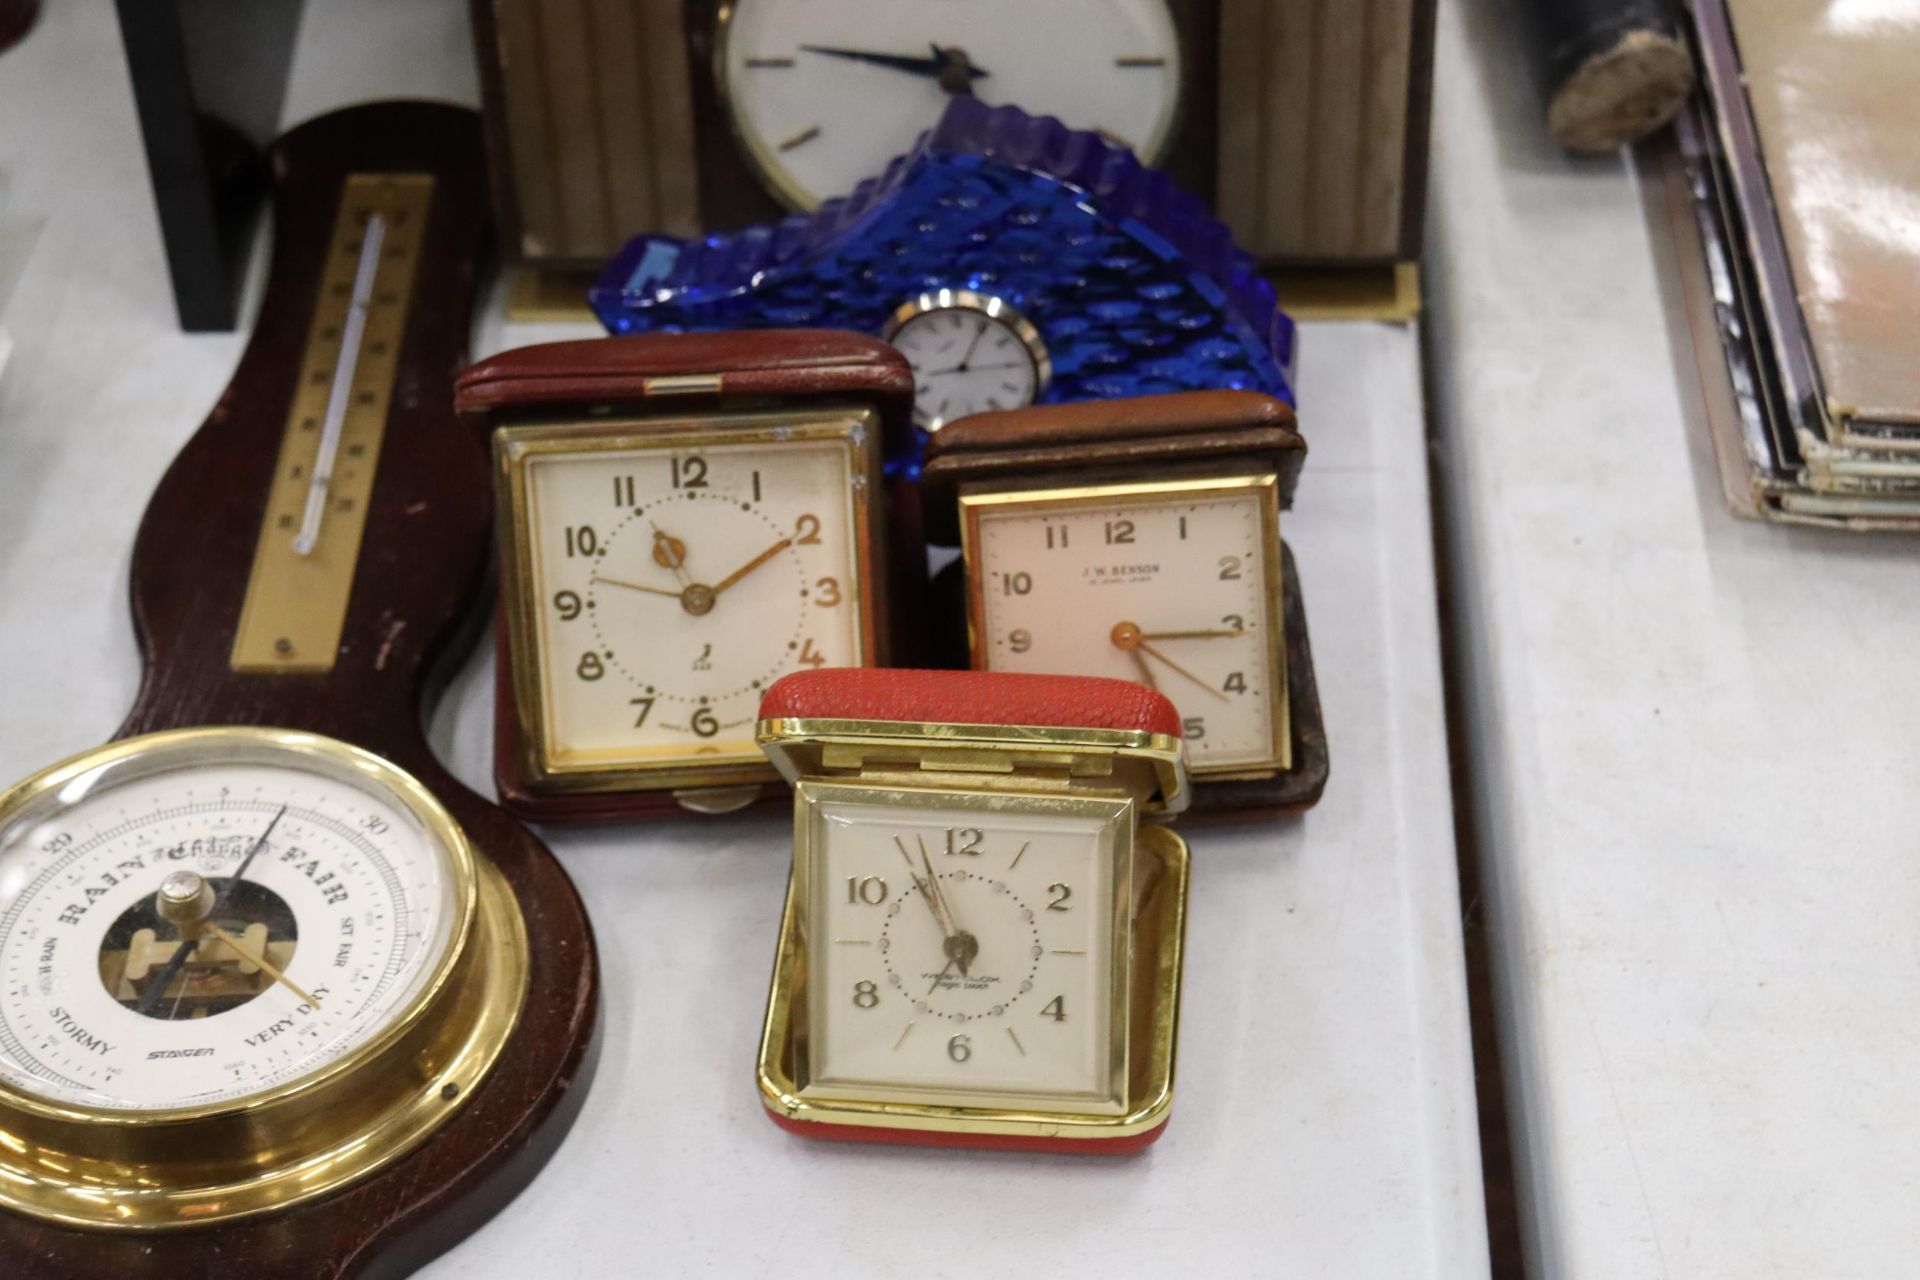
<point x="982" y="938"/>
<point x="1139" y="539"/>
<point x="682" y="519"/>
<point x="274" y="988"/>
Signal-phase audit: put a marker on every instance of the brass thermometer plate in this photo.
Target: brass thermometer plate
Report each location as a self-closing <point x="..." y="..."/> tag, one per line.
<point x="296" y="603"/>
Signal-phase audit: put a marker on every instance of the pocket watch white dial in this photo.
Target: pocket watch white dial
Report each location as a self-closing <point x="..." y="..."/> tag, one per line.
<point x="215" y="918"/>
<point x="966" y="953"/>
<point x="970" y="352"/>
<point x="1175" y="585"/>
<point x="822" y="95"/>
<point x="671" y="584"/>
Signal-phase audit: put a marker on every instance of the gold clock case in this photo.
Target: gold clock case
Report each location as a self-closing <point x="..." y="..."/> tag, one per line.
<point x="662" y="769"/>
<point x="1005" y="768"/>
<point x="144" y="1170"/>
<point x="974" y="500"/>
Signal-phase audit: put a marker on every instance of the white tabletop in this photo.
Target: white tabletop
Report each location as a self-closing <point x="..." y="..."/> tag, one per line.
<point x="1693" y="748"/>
<point x="1324" y="1121"/>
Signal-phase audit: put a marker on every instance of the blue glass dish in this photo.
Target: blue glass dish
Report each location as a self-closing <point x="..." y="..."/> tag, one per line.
<point x="1135" y="288"/>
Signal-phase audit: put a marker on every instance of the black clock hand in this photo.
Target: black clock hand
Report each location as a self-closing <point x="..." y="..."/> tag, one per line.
<point x="186" y="949"/>
<point x="940" y="66"/>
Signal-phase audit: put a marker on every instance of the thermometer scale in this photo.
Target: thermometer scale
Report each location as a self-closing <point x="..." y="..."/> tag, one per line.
<point x="310" y="539"/>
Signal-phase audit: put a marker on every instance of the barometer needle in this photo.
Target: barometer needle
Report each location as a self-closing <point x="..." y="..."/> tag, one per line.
<point x="338" y="395"/>
<point x="260" y="962"/>
<point x="172" y="968"/>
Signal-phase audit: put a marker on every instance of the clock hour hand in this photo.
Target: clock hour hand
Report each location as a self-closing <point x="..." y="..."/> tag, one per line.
<point x="951" y="67"/>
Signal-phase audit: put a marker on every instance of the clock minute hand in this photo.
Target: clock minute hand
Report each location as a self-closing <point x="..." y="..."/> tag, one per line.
<point x="940" y="65"/>
<point x="751" y="565"/>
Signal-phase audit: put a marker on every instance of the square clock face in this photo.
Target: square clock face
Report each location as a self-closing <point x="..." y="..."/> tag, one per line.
<point x="665" y="577"/>
<point x="965" y="949"/>
<point x="1175" y="584"/>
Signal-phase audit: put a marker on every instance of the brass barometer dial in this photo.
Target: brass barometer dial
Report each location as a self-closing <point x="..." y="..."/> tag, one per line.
<point x="223" y="942"/>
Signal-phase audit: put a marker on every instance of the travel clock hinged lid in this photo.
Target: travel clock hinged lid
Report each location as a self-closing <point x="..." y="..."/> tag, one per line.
<point x="1073" y="734"/>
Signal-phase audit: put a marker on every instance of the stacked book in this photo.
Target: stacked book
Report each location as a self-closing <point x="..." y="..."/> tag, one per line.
<point x="1799" y="180"/>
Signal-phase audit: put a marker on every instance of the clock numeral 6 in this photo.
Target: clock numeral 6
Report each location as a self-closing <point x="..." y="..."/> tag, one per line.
<point x="865" y="994"/>
<point x="960" y="1048"/>
<point x="969" y="839"/>
<point x="1056" y="1009"/>
<point x="703" y="723"/>
<point x="582" y="541"/>
<point x="590" y="668"/>
<point x="826" y="592"/>
<point x="1229" y="568"/>
<point x="568" y="603"/>
<point x="1016" y="584"/>
<point x="871" y="890"/>
<point x="1061" y="894"/>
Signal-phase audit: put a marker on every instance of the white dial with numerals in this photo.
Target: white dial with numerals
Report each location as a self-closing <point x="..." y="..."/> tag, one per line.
<point x="1171" y="589"/>
<point x="672" y="586"/>
<point x="965" y="954"/>
<point x="330" y="907"/>
<point x="824" y="93"/>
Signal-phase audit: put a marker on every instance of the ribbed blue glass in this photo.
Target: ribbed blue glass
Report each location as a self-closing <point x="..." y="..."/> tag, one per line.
<point x="1133" y="286"/>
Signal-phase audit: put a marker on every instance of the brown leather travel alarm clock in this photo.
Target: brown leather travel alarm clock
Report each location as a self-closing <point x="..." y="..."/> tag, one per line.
<point x="683" y="519"/>
<point x="1140" y="539"/>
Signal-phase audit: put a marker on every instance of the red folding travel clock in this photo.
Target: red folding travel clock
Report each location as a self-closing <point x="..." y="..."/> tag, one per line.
<point x="982" y="939"/>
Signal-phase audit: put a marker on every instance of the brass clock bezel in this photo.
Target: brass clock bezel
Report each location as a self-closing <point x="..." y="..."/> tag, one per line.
<point x="1017" y="496"/>
<point x="176" y="1167"/>
<point x="693" y="771"/>
<point x="1149" y="900"/>
<point x="996" y="309"/>
<point x="792" y="198"/>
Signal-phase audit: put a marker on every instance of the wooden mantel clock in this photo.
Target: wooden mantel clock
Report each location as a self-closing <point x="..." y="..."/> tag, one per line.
<point x="281" y="997"/>
<point x="983" y="932"/>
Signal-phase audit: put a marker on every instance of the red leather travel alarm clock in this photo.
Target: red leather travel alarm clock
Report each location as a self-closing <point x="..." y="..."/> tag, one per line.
<point x="282" y="997"/>
<point x="982" y="938"/>
<point x="1140" y="539"/>
<point x="683" y="519"/>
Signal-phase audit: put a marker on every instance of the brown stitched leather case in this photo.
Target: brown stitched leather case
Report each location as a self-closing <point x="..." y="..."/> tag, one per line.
<point x="759" y="370"/>
<point x="1151" y="437"/>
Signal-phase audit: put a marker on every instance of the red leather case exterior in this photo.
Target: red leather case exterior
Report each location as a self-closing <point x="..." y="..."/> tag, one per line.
<point x="759" y="370"/>
<point x="970" y="697"/>
<point x="973" y="1141"/>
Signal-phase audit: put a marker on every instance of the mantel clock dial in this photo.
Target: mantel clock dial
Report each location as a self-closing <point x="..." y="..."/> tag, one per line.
<point x="671" y="553"/>
<point x="1140" y="540"/>
<point x="982" y="942"/>
<point x="823" y="96"/>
